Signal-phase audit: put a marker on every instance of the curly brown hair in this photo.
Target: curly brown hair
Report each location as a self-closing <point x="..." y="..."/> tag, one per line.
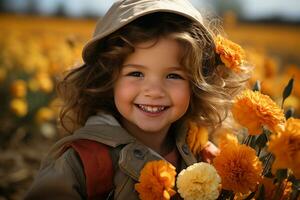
<point x="88" y="89"/>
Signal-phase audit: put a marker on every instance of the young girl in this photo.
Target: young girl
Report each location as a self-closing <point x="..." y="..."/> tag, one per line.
<point x="150" y="69"/>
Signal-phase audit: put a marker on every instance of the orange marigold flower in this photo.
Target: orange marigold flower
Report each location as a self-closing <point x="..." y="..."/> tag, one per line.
<point x="285" y="145"/>
<point x="18" y="89"/>
<point x="224" y="135"/>
<point x="231" y="54"/>
<point x="239" y="167"/>
<point x="157" y="180"/>
<point x="254" y="110"/>
<point x="197" y="138"/>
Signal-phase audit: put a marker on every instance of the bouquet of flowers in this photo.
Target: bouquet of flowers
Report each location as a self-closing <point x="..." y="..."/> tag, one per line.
<point x="265" y="164"/>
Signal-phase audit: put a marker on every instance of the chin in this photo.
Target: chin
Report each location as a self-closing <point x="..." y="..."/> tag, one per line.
<point x="152" y="129"/>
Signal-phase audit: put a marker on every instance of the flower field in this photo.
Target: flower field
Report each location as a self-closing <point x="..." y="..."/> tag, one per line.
<point x="35" y="51"/>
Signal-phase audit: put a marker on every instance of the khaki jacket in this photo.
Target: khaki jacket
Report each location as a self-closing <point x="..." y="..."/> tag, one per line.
<point x="61" y="175"/>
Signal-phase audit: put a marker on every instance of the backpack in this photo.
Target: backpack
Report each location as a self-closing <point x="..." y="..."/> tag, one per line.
<point x="98" y="167"/>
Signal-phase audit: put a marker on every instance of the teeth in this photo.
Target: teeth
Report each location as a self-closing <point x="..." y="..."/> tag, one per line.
<point x="151" y="109"/>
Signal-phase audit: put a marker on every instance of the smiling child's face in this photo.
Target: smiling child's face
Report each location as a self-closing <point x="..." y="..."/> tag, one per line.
<point x="152" y="90"/>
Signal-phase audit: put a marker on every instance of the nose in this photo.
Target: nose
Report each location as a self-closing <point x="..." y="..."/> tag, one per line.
<point x="154" y="89"/>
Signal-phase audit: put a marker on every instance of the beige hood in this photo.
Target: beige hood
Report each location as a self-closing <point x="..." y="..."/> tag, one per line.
<point x="123" y="12"/>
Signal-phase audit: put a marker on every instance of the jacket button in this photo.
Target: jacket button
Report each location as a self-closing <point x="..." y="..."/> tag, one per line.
<point x="185" y="149"/>
<point x="138" y="154"/>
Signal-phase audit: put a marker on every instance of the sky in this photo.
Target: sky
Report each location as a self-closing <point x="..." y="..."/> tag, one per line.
<point x="289" y="9"/>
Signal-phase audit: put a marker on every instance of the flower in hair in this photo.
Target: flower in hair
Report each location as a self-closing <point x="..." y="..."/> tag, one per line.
<point x="231" y="54"/>
<point x="156" y="181"/>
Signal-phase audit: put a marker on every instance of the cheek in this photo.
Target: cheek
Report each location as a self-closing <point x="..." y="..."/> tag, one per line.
<point x="181" y="97"/>
<point x="123" y="92"/>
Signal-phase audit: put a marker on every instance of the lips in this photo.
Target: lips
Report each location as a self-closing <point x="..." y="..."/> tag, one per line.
<point x="151" y="108"/>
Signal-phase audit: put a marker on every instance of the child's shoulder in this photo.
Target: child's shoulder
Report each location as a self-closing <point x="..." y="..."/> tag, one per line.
<point x="63" y="176"/>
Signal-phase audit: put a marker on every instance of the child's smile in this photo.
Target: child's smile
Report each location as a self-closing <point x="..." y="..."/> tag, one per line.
<point x="152" y="90"/>
<point x="152" y="109"/>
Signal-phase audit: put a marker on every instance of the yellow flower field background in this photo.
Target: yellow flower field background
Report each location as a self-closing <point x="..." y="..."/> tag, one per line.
<point x="35" y="51"/>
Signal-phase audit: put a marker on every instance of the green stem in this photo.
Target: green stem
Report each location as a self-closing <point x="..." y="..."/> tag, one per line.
<point x="246" y="140"/>
<point x="258" y="152"/>
<point x="279" y="191"/>
<point x="267" y="166"/>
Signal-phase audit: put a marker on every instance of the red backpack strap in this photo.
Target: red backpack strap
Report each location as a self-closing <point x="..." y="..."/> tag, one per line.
<point x="98" y="167"/>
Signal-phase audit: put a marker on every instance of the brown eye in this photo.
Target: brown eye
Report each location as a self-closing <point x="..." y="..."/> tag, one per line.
<point x="174" y="76"/>
<point x="135" y="74"/>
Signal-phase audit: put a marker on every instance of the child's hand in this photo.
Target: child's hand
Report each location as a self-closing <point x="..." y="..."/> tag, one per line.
<point x="209" y="152"/>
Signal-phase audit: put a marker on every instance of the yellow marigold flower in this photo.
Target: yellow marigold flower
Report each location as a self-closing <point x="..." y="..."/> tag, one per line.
<point x="224" y="135"/>
<point x="19" y="107"/>
<point x="231" y="54"/>
<point x="199" y="181"/>
<point x="157" y="180"/>
<point x="285" y="145"/>
<point x="18" y="89"/>
<point x="197" y="138"/>
<point x="44" y="82"/>
<point x="44" y="114"/>
<point x="254" y="110"/>
<point x="239" y="167"/>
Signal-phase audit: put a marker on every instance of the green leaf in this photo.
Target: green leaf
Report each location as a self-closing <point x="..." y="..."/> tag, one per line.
<point x="287" y="90"/>
<point x="252" y="142"/>
<point x="281" y="174"/>
<point x="269" y="175"/>
<point x="256" y="86"/>
<point x="251" y="195"/>
<point x="261" y="192"/>
<point x="295" y="182"/>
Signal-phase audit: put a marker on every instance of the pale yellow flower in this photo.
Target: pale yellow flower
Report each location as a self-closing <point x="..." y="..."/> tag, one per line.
<point x="19" y="107"/>
<point x="157" y="180"/>
<point x="285" y="145"/>
<point x="199" y="181"/>
<point x="254" y="110"/>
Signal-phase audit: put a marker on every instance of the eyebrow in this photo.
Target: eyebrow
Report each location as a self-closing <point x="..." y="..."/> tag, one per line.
<point x="175" y="68"/>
